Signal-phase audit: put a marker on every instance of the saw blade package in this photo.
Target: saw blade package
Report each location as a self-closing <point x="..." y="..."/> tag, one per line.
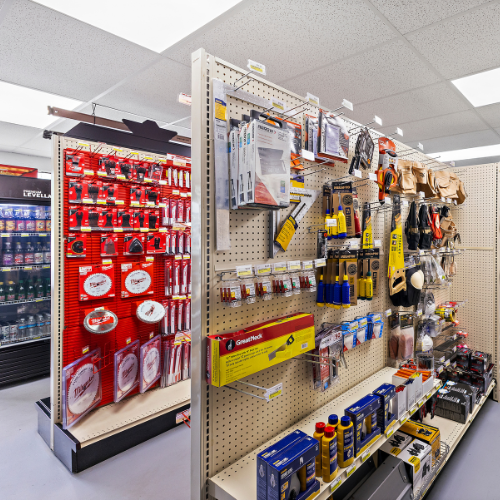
<point x="126" y="370"/>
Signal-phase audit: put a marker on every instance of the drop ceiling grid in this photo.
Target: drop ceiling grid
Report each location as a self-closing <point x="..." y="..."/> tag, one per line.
<point x="237" y="422"/>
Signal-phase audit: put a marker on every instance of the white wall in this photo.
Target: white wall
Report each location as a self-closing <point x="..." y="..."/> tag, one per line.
<point x="42" y="163"/>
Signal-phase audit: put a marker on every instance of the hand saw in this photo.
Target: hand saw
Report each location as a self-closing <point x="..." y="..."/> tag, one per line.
<point x="396" y="270"/>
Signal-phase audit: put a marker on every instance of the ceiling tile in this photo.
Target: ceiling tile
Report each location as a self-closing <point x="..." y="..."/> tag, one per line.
<point x="289" y="37"/>
<point x="462" y="45"/>
<point x="46" y="50"/>
<point x="154" y="92"/>
<point x="491" y="114"/>
<point x="439" y="126"/>
<point x="407" y="107"/>
<point x="407" y="72"/>
<point x="14" y="135"/>
<point x="410" y="15"/>
<point x="37" y="146"/>
<point x="477" y="161"/>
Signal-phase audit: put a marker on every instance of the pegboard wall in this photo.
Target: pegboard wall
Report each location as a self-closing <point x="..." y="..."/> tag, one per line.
<point x="232" y="424"/>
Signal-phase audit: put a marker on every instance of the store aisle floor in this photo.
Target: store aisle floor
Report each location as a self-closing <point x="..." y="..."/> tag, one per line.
<point x="158" y="468"/>
<point x="474" y="460"/>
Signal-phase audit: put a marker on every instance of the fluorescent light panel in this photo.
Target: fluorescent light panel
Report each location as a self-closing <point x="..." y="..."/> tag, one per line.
<point x="468" y="154"/>
<point x="154" y="24"/>
<point x="25" y="106"/>
<point x="480" y="89"/>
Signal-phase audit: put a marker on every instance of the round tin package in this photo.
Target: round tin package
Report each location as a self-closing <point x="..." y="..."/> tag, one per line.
<point x="150" y="312"/>
<point x="97" y="285"/>
<point x="138" y="281"/>
<point x="128" y="372"/>
<point x="100" y="321"/>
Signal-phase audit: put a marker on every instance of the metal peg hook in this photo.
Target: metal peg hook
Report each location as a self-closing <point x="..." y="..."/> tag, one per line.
<point x="315" y="172"/>
<point x="432" y="160"/>
<point x="361" y="126"/>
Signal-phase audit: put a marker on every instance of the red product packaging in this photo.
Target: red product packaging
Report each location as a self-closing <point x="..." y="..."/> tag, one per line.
<point x="186" y="360"/>
<point x="189" y="277"/>
<point x="168" y="238"/>
<point x="165" y="212"/>
<point x="187" y="314"/>
<point x="188" y="211"/>
<point x="173" y="241"/>
<point x="134" y="244"/>
<point x="168" y="278"/>
<point x="93" y="215"/>
<point x="173" y="316"/>
<point x="187" y="180"/>
<point x="93" y="190"/>
<point x="180" y="315"/>
<point x="176" y="276"/>
<point x="183" y="287"/>
<point x="156" y="243"/>
<point x="75" y="190"/>
<point x="175" y="177"/>
<point x="125" y="219"/>
<point x="78" y="217"/>
<point x="96" y="282"/>
<point x="165" y="319"/>
<point x="139" y="220"/>
<point x="169" y="176"/>
<point x="180" y="242"/>
<point x="76" y="245"/>
<point x="137" y="279"/>
<point x="137" y="196"/>
<point x="141" y="171"/>
<point x="187" y="242"/>
<point x="150" y="357"/>
<point x="85" y="194"/>
<point x="108" y="193"/>
<point x="151" y="196"/>
<point x="126" y="370"/>
<point x="75" y="162"/>
<point x="155" y="171"/>
<point x="125" y="170"/>
<point x="178" y="161"/>
<point x="153" y="220"/>
<point x="109" y="245"/>
<point x="107" y="167"/>
<point x="108" y="218"/>
<point x="173" y="210"/>
<point x="181" y="178"/>
<point x="180" y="210"/>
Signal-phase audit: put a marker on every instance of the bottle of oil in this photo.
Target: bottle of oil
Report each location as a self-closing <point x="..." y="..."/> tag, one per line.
<point x="318" y="434"/>
<point x="345" y="440"/>
<point x="329" y="454"/>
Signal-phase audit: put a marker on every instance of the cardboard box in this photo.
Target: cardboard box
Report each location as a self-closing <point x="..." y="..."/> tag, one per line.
<point x="396" y="443"/>
<point x="426" y="433"/>
<point x="268" y="454"/>
<point x="363" y="415"/>
<point x="467" y="390"/>
<point x="417" y="457"/>
<point x="232" y="356"/>
<point x="400" y="404"/>
<point x="386" y="392"/>
<point x="282" y="471"/>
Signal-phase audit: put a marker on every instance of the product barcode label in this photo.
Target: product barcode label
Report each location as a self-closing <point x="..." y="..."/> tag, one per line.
<point x="274" y="392"/>
<point x="350" y="470"/>
<point x="365" y="456"/>
<point x="304" y="346"/>
<point x="334" y="486"/>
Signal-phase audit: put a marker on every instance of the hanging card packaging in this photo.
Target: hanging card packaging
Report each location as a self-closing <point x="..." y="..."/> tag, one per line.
<point x="156" y="243"/>
<point x="96" y="282"/>
<point x="81" y="384"/>
<point x="134" y="244"/>
<point x="125" y="219"/>
<point x="333" y="137"/>
<point x="150" y="312"/>
<point x="78" y="218"/>
<point x="76" y="245"/>
<point x="137" y="279"/>
<point x="150" y="363"/>
<point x="75" y="163"/>
<point x="126" y="370"/>
<point x="109" y="245"/>
<point x="107" y="167"/>
<point x="140" y="222"/>
<point x="107" y="219"/>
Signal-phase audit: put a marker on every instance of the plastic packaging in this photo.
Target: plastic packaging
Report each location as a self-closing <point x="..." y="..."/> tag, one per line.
<point x="329" y="454"/>
<point x="345" y="442"/>
<point x="395" y="335"/>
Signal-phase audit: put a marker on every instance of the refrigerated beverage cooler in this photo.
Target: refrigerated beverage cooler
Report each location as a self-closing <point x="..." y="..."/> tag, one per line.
<point x="25" y="287"/>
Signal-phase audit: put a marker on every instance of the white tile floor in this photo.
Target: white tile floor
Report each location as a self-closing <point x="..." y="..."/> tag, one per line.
<point x="156" y="469"/>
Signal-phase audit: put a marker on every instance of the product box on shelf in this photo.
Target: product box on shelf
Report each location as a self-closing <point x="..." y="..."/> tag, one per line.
<point x="235" y="355"/>
<point x="396" y="443"/>
<point x="417" y="457"/>
<point x="426" y="433"/>
<point x="453" y="405"/>
<point x="96" y="282"/>
<point x="126" y="370"/>
<point x="385" y="415"/>
<point x="363" y="415"/>
<point x="401" y="400"/>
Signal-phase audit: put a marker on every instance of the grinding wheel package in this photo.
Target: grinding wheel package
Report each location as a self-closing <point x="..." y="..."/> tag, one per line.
<point x="81" y="387"/>
<point x="100" y="320"/>
<point x="150" y="357"/>
<point x="126" y="370"/>
<point x="96" y="282"/>
<point x="137" y="279"/>
<point x="134" y="244"/>
<point x="76" y="245"/>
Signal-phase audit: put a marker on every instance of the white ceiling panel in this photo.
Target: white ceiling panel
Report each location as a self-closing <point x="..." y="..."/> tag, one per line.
<point x="410" y="15"/>
<point x="154" y="92"/>
<point x="45" y="50"/>
<point x="407" y="107"/>
<point x="491" y="114"/>
<point x="289" y="37"/>
<point x="407" y="72"/>
<point x="37" y="146"/>
<point x="477" y="161"/>
<point x="16" y="135"/>
<point x="464" y="44"/>
<point x="460" y="141"/>
<point x="439" y="126"/>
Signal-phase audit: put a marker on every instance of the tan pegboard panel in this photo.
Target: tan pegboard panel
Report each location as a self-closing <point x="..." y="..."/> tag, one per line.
<point x="233" y="424"/>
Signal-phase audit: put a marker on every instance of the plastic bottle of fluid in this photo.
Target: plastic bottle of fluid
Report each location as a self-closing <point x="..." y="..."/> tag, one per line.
<point x="329" y="454"/>
<point x="318" y="434"/>
<point x="345" y="440"/>
<point x="307" y="475"/>
<point x="333" y="420"/>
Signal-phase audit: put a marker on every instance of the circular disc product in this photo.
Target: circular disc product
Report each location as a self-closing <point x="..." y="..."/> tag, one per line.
<point x="151" y="365"/>
<point x="83" y="389"/>
<point x="150" y="312"/>
<point x="97" y="284"/>
<point x="138" y="281"/>
<point x="127" y="372"/>
<point x="100" y="321"/>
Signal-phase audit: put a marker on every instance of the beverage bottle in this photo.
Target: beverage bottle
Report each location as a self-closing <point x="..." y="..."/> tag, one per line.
<point x="3" y="296"/>
<point x="29" y="253"/>
<point x="39" y="291"/>
<point x="31" y="325"/>
<point x="22" y="328"/>
<point x="46" y="253"/>
<point x="8" y="255"/>
<point x="47" y="287"/>
<point x="21" y="291"/>
<point x="47" y="326"/>
<point x="18" y="254"/>
<point x="30" y="290"/>
<point x="40" y="324"/>
<point x="38" y="253"/>
<point x="11" y="291"/>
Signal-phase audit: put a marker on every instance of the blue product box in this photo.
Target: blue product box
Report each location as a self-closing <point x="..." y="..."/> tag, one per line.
<point x="282" y="471"/>
<point x="375" y="326"/>
<point x="363" y="415"/>
<point x="349" y="331"/>
<point x="384" y="416"/>
<point x="264" y="456"/>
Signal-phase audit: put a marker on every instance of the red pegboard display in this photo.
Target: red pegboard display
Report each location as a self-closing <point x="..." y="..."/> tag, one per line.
<point x="76" y="339"/>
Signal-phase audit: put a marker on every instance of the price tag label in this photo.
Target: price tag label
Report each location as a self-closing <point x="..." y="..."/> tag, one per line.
<point x="5" y="235"/>
<point x="119" y="202"/>
<point x="84" y="144"/>
<point x="150" y="259"/>
<point x="88" y="172"/>
<point x="261" y="269"/>
<point x="405" y="203"/>
<point x="151" y="335"/>
<point x="403" y="420"/>
<point x="350" y="470"/>
<point x="101" y="174"/>
<point x="186" y="257"/>
<point x="428" y="396"/>
<point x="175" y="191"/>
<point x="388" y="313"/>
<point x="101" y="202"/>
<point x="354" y="245"/>
<point x="312" y="99"/>
<point x="307" y="155"/>
<point x="88" y="201"/>
<point x="162" y="183"/>
<point x="293" y="265"/>
<point x="413" y="410"/>
<point x="6" y="269"/>
<point x="144" y="229"/>
<point x="421" y="194"/>
<point x="85" y="350"/>
<point x="357" y="173"/>
<point x="29" y="268"/>
<point x="128" y="341"/>
<point x="335" y="485"/>
<point x="244" y="271"/>
<point x="389" y="433"/>
<point x="107" y="261"/>
<point x="377" y="243"/>
<point x="307" y="264"/>
<point x="320" y="263"/>
<point x="183" y="195"/>
<point x="443" y="199"/>
<point x="365" y="456"/>
<point x="274" y="392"/>
<point x="184" y="99"/>
<point x="279" y="267"/>
<point x="419" y="312"/>
<point x="278" y="104"/>
<point x="121" y="177"/>
<point x="388" y="201"/>
<point x="118" y="230"/>
<point x="86" y="229"/>
<point x="256" y="67"/>
<point x="372" y="176"/>
<point x="420" y="403"/>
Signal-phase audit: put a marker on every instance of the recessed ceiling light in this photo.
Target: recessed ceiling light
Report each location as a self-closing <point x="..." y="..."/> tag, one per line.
<point x="25" y="106"/>
<point x="154" y="24"/>
<point x="480" y="89"/>
<point x="468" y="154"/>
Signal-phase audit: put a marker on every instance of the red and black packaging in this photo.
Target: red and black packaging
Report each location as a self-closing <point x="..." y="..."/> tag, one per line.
<point x="155" y="171"/>
<point x="125" y="219"/>
<point x="173" y="316"/>
<point x="184" y="275"/>
<point x="180" y="210"/>
<point x="107" y="167"/>
<point x="134" y="244"/>
<point x="76" y="245"/>
<point x="137" y="196"/>
<point x="180" y="175"/>
<point x="165" y="212"/>
<point x="75" y="191"/>
<point x="141" y="171"/>
<point x="188" y="211"/>
<point x="174" y="235"/>
<point x="180" y="315"/>
<point x="108" y="218"/>
<point x="173" y="210"/>
<point x="96" y="282"/>
<point x="108" y="193"/>
<point x="187" y="314"/>
<point x="155" y="243"/>
<point x="164" y="322"/>
<point x="168" y="176"/>
<point x="109" y="245"/>
<point x="168" y="238"/>
<point x="152" y="196"/>
<point x="176" y="277"/>
<point x="137" y="279"/>
<point x="140" y="220"/>
<point x="76" y="163"/>
<point x="168" y="278"/>
<point x="189" y="277"/>
<point x="153" y="220"/>
<point x="179" y="249"/>
<point x="78" y="217"/>
<point x="187" y="242"/>
<point x="93" y="215"/>
<point x="126" y="169"/>
<point x="93" y="190"/>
